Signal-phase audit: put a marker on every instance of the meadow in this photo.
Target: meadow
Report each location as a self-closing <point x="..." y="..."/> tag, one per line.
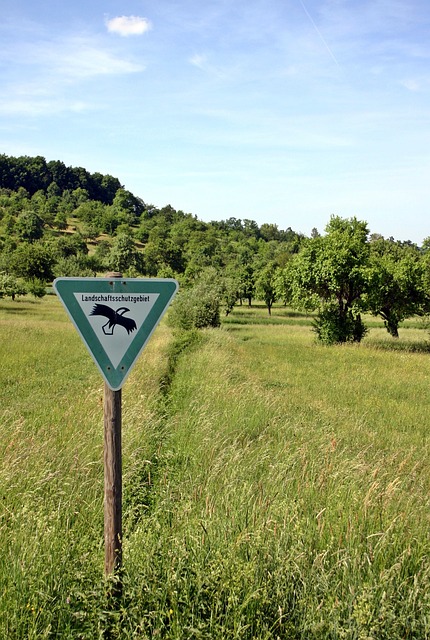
<point x="273" y="487"/>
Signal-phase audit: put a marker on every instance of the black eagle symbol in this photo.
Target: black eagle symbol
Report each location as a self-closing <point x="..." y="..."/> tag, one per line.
<point x="114" y="318"/>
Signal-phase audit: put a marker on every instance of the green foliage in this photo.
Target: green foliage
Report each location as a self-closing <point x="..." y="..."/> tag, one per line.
<point x="396" y="283"/>
<point x="29" y="226"/>
<point x="11" y="286"/>
<point x="247" y="282"/>
<point x="230" y="285"/>
<point x="266" y="285"/>
<point x="198" y="306"/>
<point x="329" y="274"/>
<point x="73" y="267"/>
<point x="123" y="254"/>
<point x="31" y="261"/>
<point x="332" y="327"/>
<point x="36" y="286"/>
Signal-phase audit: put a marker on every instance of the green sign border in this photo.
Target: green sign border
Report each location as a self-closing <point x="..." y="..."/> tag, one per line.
<point x="66" y="288"/>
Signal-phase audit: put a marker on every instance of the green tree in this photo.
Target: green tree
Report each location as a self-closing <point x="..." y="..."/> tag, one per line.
<point x="229" y="290"/>
<point x="246" y="282"/>
<point x="125" y="201"/>
<point x="29" y="226"/>
<point x="32" y="261"/>
<point x="11" y="286"/>
<point x="282" y="285"/>
<point x="266" y="286"/>
<point x="198" y="306"/>
<point x="396" y="283"/>
<point x="269" y="231"/>
<point x="72" y="267"/>
<point x="330" y="275"/>
<point x="123" y="254"/>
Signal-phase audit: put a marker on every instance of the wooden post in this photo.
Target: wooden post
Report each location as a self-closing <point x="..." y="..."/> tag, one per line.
<point x="113" y="480"/>
<point x="112" y="410"/>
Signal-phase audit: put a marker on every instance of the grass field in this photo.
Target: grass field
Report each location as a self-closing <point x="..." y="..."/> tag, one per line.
<point x="273" y="487"/>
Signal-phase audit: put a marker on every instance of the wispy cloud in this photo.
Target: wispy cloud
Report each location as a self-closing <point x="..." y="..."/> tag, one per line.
<point x="80" y="58"/>
<point x="416" y="84"/>
<point x="128" y="25"/>
<point x="45" y="75"/>
<point x="202" y="61"/>
<point x="198" y="60"/>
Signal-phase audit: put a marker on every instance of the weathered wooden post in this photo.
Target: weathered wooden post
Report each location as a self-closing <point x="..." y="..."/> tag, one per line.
<point x="96" y="308"/>
<point x="112" y="416"/>
<point x="112" y="480"/>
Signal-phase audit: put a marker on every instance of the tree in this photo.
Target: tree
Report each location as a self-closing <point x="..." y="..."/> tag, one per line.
<point x="73" y="267"/>
<point x="11" y="286"/>
<point x="198" y="306"/>
<point x="396" y="286"/>
<point x="229" y="290"/>
<point x="123" y="254"/>
<point x="282" y="285"/>
<point x="266" y="286"/>
<point x="32" y="261"/>
<point x="29" y="226"/>
<point x="124" y="200"/>
<point x="246" y="283"/>
<point x="269" y="231"/>
<point x="329" y="275"/>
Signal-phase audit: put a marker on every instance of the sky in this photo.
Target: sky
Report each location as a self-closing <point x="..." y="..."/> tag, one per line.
<point x="278" y="111"/>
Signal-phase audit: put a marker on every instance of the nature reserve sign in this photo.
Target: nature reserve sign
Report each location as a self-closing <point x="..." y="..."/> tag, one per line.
<point x="115" y="318"/>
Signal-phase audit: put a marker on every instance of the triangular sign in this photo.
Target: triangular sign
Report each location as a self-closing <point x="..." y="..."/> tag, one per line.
<point x="115" y="318"/>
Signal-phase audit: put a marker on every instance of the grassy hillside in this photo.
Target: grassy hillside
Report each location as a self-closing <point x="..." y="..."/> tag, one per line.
<point x="274" y="488"/>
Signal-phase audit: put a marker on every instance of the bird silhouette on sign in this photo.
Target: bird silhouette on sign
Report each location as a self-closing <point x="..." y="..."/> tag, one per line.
<point x="114" y="318"/>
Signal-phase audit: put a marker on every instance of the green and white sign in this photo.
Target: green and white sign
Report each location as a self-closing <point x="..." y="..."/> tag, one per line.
<point x="115" y="318"/>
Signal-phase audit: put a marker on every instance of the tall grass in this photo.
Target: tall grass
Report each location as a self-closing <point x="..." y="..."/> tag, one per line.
<point x="273" y="488"/>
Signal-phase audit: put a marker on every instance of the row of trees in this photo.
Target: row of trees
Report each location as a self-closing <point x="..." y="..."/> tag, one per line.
<point x="62" y="229"/>
<point x="339" y="275"/>
<point x="345" y="273"/>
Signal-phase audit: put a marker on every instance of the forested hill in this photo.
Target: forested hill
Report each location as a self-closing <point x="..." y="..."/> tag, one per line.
<point x="64" y="221"/>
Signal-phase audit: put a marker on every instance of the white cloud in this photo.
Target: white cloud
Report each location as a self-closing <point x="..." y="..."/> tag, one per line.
<point x="128" y="25"/>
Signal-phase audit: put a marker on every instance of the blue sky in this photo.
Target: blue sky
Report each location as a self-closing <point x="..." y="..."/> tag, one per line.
<point x="281" y="111"/>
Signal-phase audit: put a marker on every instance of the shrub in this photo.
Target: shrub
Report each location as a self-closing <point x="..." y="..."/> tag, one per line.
<point x="333" y="327"/>
<point x="36" y="287"/>
<point x="11" y="286"/>
<point x="198" y="306"/>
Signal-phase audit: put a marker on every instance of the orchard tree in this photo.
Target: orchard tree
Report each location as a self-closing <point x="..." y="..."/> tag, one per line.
<point x="229" y="290"/>
<point x="282" y="285"/>
<point x="266" y="286"/>
<point x="246" y="282"/>
<point x="124" y="254"/>
<point x="330" y="275"/>
<point x="32" y="262"/>
<point x="29" y="226"/>
<point x="11" y="286"/>
<point x="396" y="283"/>
<point x="125" y="201"/>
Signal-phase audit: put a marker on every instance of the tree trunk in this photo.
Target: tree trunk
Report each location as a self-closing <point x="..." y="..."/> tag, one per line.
<point x="392" y="328"/>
